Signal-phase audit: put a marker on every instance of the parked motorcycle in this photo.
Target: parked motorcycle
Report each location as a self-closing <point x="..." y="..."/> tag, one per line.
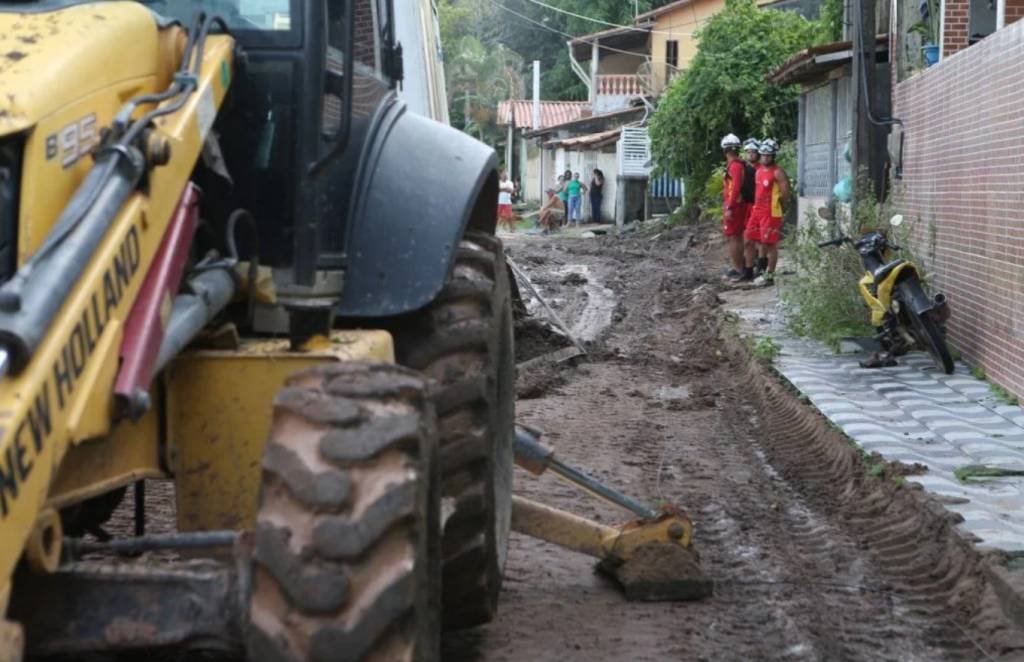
<point x="901" y="311"/>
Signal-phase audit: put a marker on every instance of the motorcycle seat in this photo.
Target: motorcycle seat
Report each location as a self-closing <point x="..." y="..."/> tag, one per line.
<point x="883" y="271"/>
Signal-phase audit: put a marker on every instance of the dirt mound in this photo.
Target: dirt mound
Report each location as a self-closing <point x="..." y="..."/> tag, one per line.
<point x="535" y="337"/>
<point x="661" y="571"/>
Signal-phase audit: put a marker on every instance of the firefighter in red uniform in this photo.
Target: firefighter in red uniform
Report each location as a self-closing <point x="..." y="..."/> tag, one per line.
<point x="772" y="191"/>
<point x="751" y="235"/>
<point x="734" y="210"/>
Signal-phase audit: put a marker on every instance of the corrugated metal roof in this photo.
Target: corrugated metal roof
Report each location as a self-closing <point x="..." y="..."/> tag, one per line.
<point x="816" y="60"/>
<point x="552" y="113"/>
<point x="587" y="141"/>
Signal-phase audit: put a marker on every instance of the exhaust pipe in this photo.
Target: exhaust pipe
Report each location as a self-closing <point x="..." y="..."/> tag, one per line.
<point x="940" y="308"/>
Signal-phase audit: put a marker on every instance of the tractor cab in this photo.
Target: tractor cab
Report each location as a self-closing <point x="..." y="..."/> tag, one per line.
<point x="310" y="81"/>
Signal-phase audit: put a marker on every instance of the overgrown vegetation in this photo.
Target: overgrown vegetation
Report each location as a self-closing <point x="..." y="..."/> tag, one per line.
<point x="832" y="19"/>
<point x="1002" y="395"/>
<point x="821" y="297"/>
<point x="999" y="392"/>
<point x="766" y="349"/>
<point x="724" y="90"/>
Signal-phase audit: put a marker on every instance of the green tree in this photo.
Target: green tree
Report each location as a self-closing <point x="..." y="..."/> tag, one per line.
<point x="479" y="77"/>
<point x="724" y="90"/>
<point x="537" y="32"/>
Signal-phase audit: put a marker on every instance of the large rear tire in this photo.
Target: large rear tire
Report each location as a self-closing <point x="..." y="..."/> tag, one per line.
<point x="463" y="340"/>
<point x="346" y="564"/>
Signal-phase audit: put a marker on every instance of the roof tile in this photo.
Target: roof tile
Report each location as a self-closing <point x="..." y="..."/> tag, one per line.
<point x="551" y="112"/>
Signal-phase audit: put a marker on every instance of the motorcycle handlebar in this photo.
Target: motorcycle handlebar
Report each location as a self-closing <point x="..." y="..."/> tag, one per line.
<point x="834" y="242"/>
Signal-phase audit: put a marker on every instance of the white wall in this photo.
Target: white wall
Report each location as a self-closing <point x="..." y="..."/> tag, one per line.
<point x="423" y="87"/>
<point x="532" y="189"/>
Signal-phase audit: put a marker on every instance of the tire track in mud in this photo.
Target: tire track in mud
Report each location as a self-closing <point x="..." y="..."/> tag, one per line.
<point x="800" y="586"/>
<point x="931" y="576"/>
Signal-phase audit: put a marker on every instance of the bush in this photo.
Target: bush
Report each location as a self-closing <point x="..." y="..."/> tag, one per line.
<point x="711" y="200"/>
<point x="724" y="90"/>
<point x="821" y="299"/>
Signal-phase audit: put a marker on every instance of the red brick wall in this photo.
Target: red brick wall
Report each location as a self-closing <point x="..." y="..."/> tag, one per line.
<point x="954" y="32"/>
<point x="1014" y="11"/>
<point x="363" y="48"/>
<point x="963" y="179"/>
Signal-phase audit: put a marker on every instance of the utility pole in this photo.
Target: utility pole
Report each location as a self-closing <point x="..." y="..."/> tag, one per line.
<point x="868" y="146"/>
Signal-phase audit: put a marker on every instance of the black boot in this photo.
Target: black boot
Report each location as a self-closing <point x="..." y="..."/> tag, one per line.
<point x="762" y="264"/>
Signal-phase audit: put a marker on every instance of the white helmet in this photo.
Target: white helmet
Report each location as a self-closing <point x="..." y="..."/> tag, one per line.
<point x="768" y="146"/>
<point x="731" y="142"/>
<point x="751" y="145"/>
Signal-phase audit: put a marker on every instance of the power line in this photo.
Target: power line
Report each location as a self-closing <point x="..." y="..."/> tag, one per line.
<point x="565" y="34"/>
<point x="614" y="25"/>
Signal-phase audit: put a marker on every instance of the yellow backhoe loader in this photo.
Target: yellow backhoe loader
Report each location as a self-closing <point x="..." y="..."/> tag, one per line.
<point x="230" y="257"/>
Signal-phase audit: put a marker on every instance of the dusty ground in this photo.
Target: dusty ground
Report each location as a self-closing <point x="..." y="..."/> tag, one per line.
<point x="812" y="558"/>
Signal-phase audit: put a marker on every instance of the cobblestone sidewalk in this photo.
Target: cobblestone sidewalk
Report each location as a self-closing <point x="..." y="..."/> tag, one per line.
<point x="911" y="413"/>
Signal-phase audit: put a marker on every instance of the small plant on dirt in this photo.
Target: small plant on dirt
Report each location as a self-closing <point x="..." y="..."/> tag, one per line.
<point x="877" y="469"/>
<point x="766" y="349"/>
<point x="978" y="372"/>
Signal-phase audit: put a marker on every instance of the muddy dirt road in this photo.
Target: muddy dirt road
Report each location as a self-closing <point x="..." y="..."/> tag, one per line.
<point x="813" y="559"/>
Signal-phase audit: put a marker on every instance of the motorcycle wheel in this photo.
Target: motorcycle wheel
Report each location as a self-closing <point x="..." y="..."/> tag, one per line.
<point x="932" y="339"/>
<point x="929" y="336"/>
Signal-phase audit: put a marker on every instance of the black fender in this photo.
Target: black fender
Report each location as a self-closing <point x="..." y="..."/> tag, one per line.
<point x="912" y="293"/>
<point x="420" y="186"/>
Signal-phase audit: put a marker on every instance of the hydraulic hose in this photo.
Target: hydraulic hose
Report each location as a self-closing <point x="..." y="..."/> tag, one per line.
<point x="208" y="293"/>
<point x="31" y="299"/>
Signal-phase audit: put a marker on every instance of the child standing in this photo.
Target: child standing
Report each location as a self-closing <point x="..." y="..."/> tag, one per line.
<point x="505" y="190"/>
<point x="575" y="188"/>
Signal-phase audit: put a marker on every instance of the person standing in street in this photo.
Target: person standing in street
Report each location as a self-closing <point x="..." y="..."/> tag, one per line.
<point x="506" y="188"/>
<point x="575" y="188"/>
<point x="563" y="192"/>
<point x="734" y="211"/>
<point x="596" y="194"/>
<point x="771" y="193"/>
<point x="751" y="235"/>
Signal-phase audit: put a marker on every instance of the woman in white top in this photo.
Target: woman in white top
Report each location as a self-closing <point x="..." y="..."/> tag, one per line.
<point x="505" y="190"/>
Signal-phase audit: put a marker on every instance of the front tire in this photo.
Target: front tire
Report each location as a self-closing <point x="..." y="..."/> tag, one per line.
<point x="463" y="340"/>
<point x="346" y="564"/>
